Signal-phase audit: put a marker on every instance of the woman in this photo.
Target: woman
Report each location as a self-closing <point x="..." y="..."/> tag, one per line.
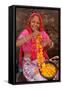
<point x="33" y="42"/>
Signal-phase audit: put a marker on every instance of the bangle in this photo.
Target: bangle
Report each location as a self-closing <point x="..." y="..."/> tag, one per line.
<point x="52" y="45"/>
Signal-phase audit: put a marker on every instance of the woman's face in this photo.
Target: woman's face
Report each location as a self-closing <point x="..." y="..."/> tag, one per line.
<point x="35" y="23"/>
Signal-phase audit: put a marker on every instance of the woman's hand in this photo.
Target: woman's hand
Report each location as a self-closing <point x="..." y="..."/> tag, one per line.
<point x="35" y="34"/>
<point x="47" y="44"/>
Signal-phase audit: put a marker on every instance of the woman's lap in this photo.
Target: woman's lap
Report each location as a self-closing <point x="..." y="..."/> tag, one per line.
<point x="31" y="71"/>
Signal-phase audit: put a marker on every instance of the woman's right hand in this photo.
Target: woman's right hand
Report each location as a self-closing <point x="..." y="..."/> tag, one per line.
<point x="36" y="33"/>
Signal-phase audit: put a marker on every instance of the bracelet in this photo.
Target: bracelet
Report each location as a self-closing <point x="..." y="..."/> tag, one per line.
<point x="52" y="45"/>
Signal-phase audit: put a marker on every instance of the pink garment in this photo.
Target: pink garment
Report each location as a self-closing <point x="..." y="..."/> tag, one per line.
<point x="26" y="47"/>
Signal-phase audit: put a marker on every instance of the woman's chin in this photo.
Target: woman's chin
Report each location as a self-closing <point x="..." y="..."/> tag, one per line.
<point x="35" y="30"/>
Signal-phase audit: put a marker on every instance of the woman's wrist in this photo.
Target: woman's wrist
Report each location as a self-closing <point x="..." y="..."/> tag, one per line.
<point x="26" y="38"/>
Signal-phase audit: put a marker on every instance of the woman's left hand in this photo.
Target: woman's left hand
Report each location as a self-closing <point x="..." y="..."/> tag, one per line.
<point x="47" y="44"/>
<point x="44" y="43"/>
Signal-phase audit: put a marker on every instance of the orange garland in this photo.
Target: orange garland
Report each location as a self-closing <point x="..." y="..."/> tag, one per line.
<point x="40" y="56"/>
<point x="36" y="44"/>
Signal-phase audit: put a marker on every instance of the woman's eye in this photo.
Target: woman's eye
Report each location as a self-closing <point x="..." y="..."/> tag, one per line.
<point x="36" y="22"/>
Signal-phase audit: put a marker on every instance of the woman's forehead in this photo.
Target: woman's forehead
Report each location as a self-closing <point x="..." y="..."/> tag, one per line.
<point x="35" y="17"/>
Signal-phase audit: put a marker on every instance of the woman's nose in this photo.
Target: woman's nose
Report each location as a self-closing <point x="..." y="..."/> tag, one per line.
<point x="35" y="24"/>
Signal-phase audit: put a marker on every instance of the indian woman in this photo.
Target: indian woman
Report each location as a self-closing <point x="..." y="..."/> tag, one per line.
<point x="33" y="43"/>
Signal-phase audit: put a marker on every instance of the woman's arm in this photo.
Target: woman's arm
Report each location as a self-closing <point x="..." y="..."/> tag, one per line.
<point x="47" y="42"/>
<point x="24" y="39"/>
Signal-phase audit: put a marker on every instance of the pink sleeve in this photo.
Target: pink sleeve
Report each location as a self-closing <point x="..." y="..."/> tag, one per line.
<point x="22" y="34"/>
<point x="45" y="36"/>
